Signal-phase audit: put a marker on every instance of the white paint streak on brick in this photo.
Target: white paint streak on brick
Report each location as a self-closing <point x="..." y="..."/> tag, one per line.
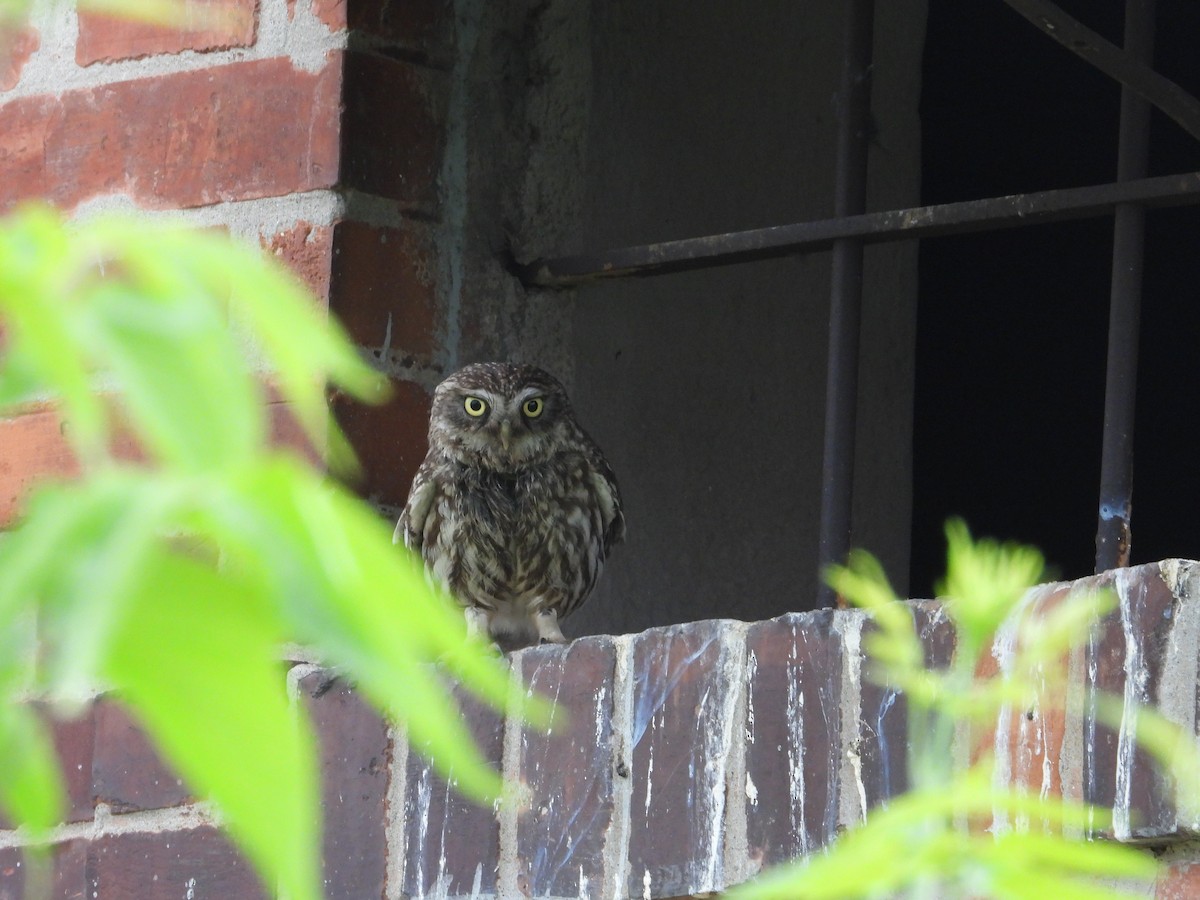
<point x="1131" y="593"/>
<point x="852" y="793"/>
<point x="796" y="747"/>
<point x="616" y="842"/>
<point x="1177" y="684"/>
<point x="1003" y="647"/>
<point x="1070" y="759"/>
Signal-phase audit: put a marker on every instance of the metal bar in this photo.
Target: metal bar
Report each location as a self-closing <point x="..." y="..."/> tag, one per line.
<point x="845" y="295"/>
<point x="1126" y="67"/>
<point x="1113" y="537"/>
<point x="893" y="225"/>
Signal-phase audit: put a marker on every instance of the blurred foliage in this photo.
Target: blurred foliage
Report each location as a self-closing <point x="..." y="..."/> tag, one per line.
<point x="956" y="832"/>
<point x="174" y="571"/>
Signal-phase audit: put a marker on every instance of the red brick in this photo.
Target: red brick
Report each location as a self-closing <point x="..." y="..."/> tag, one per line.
<point x="682" y="693"/>
<point x="34" y="448"/>
<point x="15" y="49"/>
<point x="248" y="129"/>
<point x="127" y="772"/>
<point x="63" y="879"/>
<point x="883" y="734"/>
<point x="397" y="153"/>
<point x="25" y="127"/>
<point x="883" y="709"/>
<point x="1178" y="880"/>
<point x="204" y="25"/>
<point x="390" y="440"/>
<point x="199" y="862"/>
<point x="286" y="432"/>
<point x="383" y="289"/>
<point x="74" y="740"/>
<point x="354" y="774"/>
<point x="1152" y="610"/>
<point x="12" y="873"/>
<point x="1035" y="735"/>
<point x="451" y="844"/>
<point x="569" y="773"/>
<point x="307" y="250"/>
<point x="793" y="735"/>
<point x="331" y="12"/>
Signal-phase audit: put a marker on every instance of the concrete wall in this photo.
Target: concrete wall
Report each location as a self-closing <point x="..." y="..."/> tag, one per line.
<point x="707" y="389"/>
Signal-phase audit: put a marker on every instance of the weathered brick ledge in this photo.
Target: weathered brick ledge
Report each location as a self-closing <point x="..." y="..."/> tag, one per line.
<point x="693" y="756"/>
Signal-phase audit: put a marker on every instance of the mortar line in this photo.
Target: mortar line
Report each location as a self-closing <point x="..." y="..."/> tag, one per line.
<point x="736" y="856"/>
<point x="395" y="812"/>
<point x="107" y="824"/>
<point x="852" y="799"/>
<point x="616" y="842"/>
<point x="512" y="798"/>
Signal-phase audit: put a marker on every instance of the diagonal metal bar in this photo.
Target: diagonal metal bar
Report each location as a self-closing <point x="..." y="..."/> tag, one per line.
<point x="893" y="225"/>
<point x="1127" y="68"/>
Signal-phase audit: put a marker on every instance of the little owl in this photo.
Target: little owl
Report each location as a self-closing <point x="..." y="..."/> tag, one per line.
<point x="514" y="509"/>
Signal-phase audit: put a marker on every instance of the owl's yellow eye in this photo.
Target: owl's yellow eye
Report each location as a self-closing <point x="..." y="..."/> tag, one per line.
<point x="533" y="407"/>
<point x="475" y="407"/>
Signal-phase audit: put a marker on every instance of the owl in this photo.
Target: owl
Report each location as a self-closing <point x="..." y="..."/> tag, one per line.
<point x="515" y="509"/>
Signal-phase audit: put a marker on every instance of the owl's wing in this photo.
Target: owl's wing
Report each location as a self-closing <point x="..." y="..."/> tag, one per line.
<point x="609" y="496"/>
<point x="411" y="525"/>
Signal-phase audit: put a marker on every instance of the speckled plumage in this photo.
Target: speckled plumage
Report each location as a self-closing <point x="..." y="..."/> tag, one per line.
<point x="514" y="514"/>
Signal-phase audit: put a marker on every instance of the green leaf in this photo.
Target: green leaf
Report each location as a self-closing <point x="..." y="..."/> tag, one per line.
<point x="984" y="581"/>
<point x="35" y="297"/>
<point x="304" y="346"/>
<point x="354" y="596"/>
<point x="178" y="372"/>
<point x="31" y="790"/>
<point x="19" y="381"/>
<point x="863" y="582"/>
<point x="76" y="556"/>
<point x="195" y="657"/>
<point x="168" y="13"/>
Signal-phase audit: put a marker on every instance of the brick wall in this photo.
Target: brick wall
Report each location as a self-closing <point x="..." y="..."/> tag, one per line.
<point x="312" y="127"/>
<point x="692" y="757"/>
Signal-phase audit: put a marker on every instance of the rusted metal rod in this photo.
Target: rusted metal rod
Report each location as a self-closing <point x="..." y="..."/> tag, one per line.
<point x="893" y="225"/>
<point x="845" y="295"/>
<point x="1113" y="536"/>
<point x="1128" y="67"/>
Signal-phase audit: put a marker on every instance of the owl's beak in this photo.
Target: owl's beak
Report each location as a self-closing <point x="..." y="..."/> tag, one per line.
<point x="505" y="434"/>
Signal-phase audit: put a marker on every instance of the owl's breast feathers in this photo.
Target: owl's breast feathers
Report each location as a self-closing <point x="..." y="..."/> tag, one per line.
<point x="537" y="536"/>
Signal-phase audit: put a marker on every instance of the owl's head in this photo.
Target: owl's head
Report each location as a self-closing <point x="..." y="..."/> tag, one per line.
<point x="500" y="417"/>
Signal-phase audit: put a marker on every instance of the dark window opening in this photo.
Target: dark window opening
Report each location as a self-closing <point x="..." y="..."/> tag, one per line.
<point x="1012" y="325"/>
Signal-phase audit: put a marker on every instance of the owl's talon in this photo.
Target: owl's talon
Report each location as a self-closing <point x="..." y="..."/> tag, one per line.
<point x="546" y="622"/>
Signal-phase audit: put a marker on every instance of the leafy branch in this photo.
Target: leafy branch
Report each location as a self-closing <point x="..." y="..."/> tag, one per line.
<point x="174" y="579"/>
<point x="931" y="841"/>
